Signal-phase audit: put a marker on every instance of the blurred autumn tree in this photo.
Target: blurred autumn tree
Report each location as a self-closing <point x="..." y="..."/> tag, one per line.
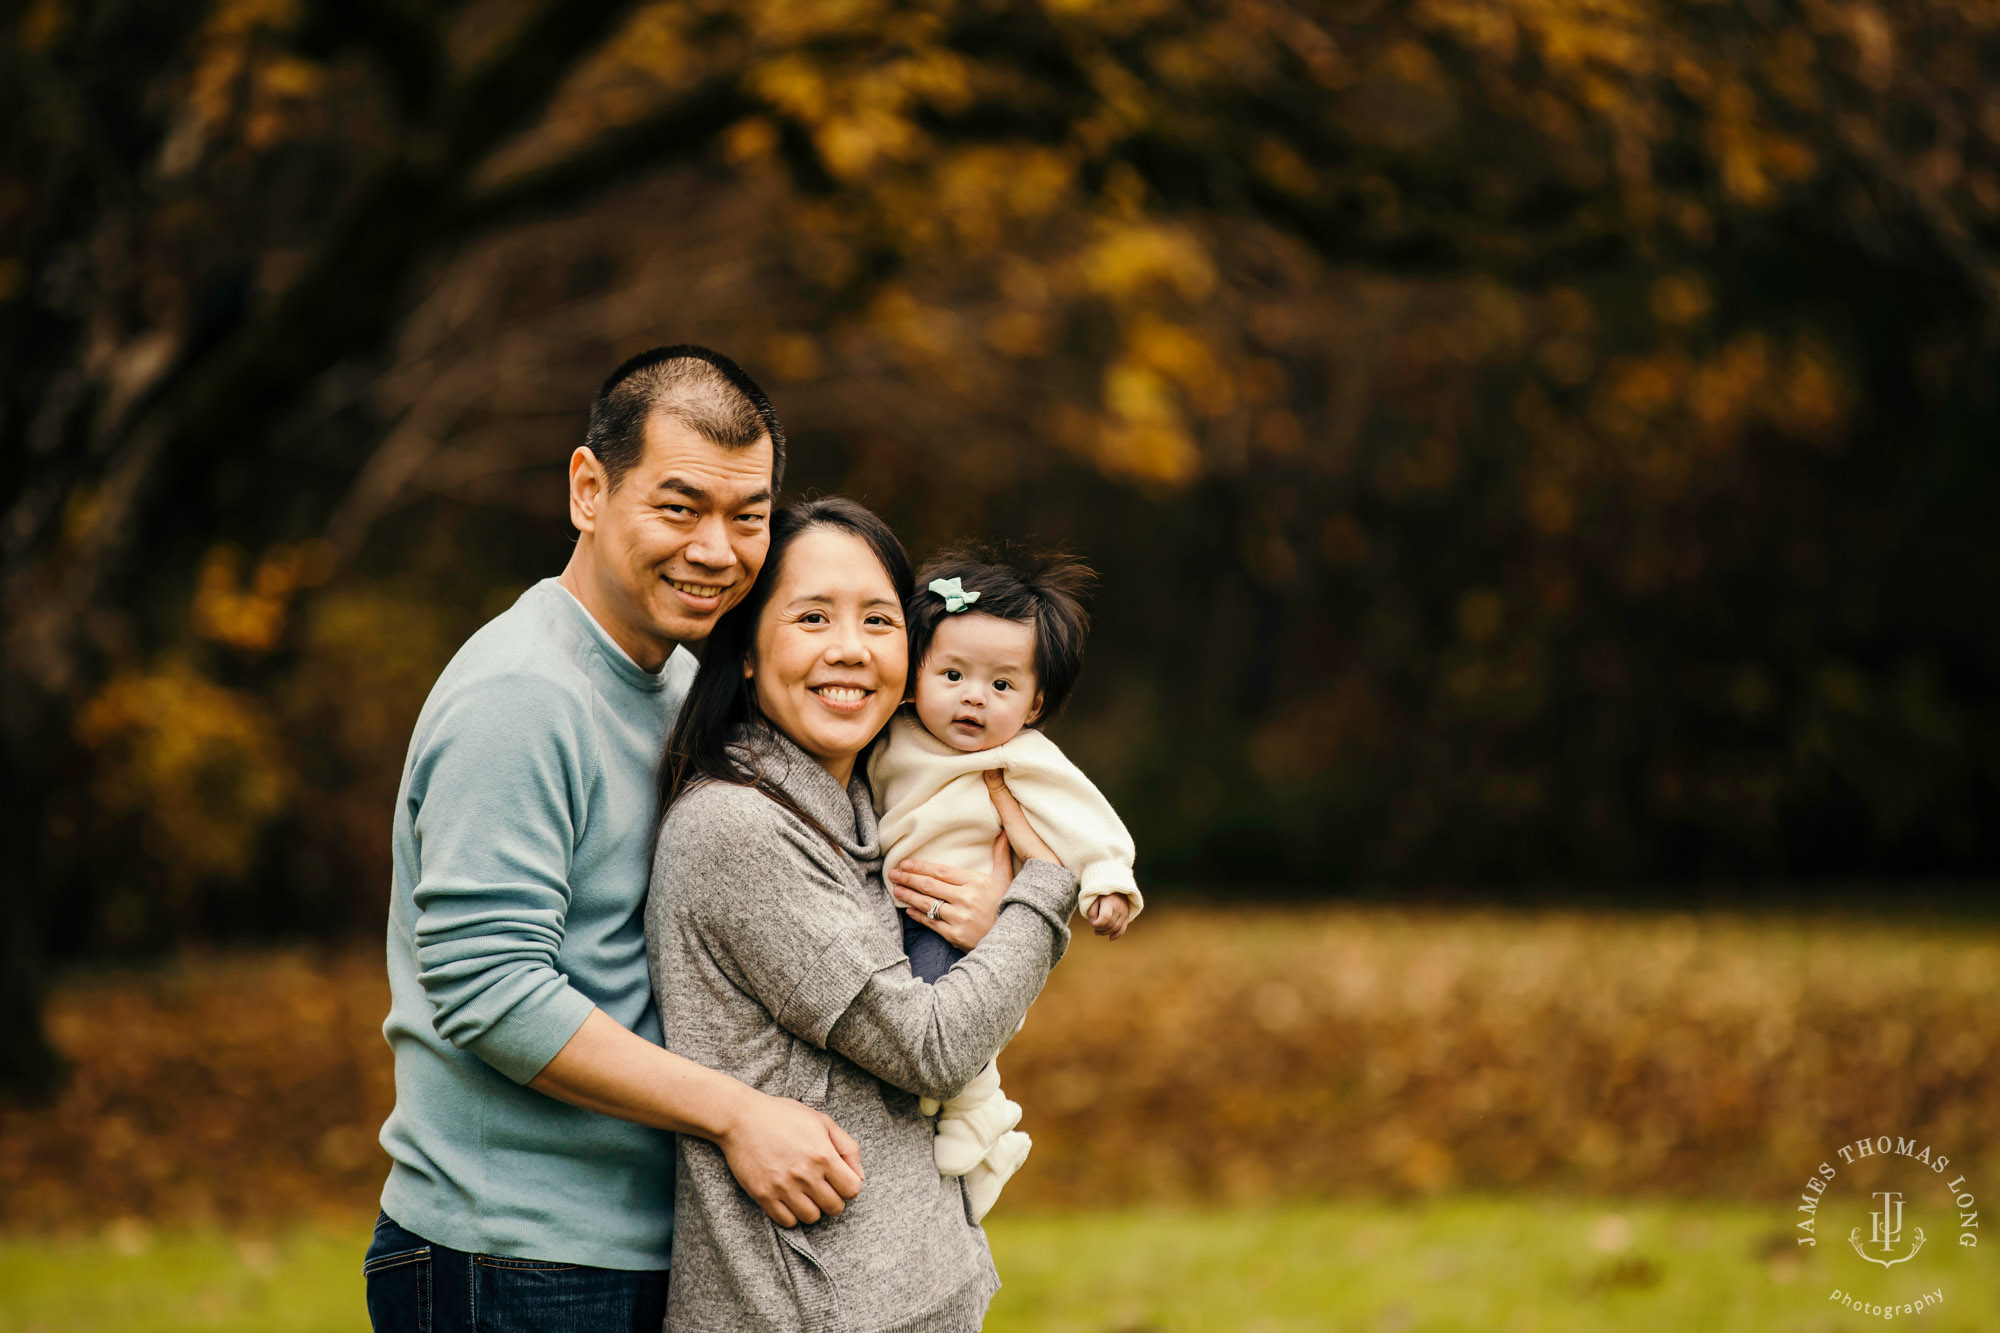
<point x="1522" y="440"/>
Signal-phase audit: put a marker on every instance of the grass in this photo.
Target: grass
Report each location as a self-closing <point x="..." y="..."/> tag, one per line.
<point x="1495" y="1265"/>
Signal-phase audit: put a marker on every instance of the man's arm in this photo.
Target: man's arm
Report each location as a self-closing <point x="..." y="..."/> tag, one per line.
<point x="492" y="906"/>
<point x="794" y="1161"/>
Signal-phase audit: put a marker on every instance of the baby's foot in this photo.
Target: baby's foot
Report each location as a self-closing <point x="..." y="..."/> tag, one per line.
<point x="964" y="1136"/>
<point x="985" y="1181"/>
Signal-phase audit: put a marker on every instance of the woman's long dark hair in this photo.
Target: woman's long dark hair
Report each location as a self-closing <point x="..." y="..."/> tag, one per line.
<point x="721" y="700"/>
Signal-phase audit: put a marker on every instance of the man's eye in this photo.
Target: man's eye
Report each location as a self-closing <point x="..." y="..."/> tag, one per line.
<point x="677" y="511"/>
<point x="751" y="518"/>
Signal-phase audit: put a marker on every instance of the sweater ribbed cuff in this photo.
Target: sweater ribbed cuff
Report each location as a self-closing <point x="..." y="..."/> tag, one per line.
<point x="1050" y="891"/>
<point x="521" y="1042"/>
<point x="1104" y="877"/>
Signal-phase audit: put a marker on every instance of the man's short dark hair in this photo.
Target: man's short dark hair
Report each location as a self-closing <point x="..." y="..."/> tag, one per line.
<point x="1044" y="589"/>
<point x="698" y="387"/>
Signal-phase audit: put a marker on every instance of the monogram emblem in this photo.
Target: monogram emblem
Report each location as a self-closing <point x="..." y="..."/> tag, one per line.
<point x="1886" y="1231"/>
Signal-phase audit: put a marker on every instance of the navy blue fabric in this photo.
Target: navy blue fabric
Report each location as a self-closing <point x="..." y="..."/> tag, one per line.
<point x="415" y="1286"/>
<point x="930" y="955"/>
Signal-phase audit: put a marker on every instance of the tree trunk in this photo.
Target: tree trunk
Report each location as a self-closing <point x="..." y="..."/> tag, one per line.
<point x="30" y="1069"/>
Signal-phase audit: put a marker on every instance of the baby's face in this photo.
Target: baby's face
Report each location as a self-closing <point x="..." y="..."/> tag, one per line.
<point x="976" y="688"/>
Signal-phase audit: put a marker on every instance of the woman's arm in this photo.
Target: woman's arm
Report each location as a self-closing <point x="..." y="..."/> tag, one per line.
<point x="769" y="903"/>
<point x="931" y="1039"/>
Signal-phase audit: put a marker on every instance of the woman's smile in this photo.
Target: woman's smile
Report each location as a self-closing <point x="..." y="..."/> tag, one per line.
<point x="831" y="654"/>
<point x="843" y="698"/>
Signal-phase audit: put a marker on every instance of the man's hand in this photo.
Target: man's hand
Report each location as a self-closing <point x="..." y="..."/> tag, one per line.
<point x="795" y="1162"/>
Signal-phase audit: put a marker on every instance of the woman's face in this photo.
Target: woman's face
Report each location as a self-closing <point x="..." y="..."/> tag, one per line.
<point x="831" y="655"/>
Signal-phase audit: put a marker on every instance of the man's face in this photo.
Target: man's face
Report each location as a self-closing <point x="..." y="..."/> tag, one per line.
<point x="681" y="539"/>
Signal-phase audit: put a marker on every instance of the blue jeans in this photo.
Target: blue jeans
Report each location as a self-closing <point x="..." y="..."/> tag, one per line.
<point x="931" y="955"/>
<point x="417" y="1287"/>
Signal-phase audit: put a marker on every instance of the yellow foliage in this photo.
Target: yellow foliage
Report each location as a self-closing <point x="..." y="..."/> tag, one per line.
<point x="232" y="45"/>
<point x="794" y="356"/>
<point x="42" y="24"/>
<point x="1131" y="259"/>
<point x="1178" y="354"/>
<point x="201" y="765"/>
<point x="249" y="614"/>
<point x="1815" y="397"/>
<point x="1481" y="613"/>
<point x="1680" y="298"/>
<point x="1144" y="435"/>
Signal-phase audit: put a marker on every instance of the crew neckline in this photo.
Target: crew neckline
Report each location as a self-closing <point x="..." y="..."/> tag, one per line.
<point x="620" y="660"/>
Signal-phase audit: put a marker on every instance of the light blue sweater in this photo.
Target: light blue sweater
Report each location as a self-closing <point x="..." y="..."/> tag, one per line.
<point x="523" y="840"/>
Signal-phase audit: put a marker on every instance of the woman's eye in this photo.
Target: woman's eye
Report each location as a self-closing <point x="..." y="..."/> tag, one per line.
<point x="813" y="618"/>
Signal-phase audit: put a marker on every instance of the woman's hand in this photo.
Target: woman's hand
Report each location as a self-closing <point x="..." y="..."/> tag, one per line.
<point x="961" y="905"/>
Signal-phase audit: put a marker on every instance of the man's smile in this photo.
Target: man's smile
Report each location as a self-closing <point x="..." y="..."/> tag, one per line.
<point x="699" y="596"/>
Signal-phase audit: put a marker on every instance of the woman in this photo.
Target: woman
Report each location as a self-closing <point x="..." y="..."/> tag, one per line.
<point x="777" y="952"/>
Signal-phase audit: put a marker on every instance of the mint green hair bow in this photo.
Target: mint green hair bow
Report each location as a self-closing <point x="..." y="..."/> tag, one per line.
<point x="956" y="598"/>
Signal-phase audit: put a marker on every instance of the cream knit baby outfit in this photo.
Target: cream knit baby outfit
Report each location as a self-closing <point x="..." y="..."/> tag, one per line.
<point x="934" y="806"/>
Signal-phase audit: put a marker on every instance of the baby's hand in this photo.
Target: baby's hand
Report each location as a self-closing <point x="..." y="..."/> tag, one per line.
<point x="1110" y="914"/>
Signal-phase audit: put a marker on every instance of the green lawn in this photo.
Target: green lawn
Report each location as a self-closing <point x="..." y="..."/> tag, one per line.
<point x="1484" y="1265"/>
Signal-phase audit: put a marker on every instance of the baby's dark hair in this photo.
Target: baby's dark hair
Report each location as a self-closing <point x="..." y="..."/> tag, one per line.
<point x="1041" y="588"/>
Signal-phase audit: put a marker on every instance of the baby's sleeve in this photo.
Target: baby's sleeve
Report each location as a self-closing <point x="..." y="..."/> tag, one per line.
<point x="1079" y="824"/>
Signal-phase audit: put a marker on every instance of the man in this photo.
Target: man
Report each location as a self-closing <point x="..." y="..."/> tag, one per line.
<point x="532" y="1140"/>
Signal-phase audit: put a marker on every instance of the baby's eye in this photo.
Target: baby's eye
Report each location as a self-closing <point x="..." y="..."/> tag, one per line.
<point x="1002" y="685"/>
<point x="951" y="674"/>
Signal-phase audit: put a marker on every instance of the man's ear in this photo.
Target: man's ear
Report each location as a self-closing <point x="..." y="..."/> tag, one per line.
<point x="588" y="488"/>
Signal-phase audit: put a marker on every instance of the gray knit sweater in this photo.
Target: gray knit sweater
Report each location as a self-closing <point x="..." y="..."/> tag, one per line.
<point x="779" y="960"/>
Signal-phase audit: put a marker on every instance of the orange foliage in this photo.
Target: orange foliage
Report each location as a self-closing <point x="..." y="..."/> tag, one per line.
<point x="1240" y="1055"/>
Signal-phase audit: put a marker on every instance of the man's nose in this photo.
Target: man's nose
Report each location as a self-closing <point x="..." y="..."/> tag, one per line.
<point x="709" y="547"/>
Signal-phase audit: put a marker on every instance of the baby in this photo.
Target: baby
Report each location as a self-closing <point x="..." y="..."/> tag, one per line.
<point x="996" y="641"/>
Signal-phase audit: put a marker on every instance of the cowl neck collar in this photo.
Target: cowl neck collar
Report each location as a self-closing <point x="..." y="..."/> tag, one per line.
<point x="847" y="813"/>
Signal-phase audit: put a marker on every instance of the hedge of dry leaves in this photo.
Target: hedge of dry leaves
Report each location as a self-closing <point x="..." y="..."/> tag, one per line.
<point x="1232" y="1054"/>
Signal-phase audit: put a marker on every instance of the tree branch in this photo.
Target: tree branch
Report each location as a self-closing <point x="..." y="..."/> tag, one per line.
<point x="673" y="133"/>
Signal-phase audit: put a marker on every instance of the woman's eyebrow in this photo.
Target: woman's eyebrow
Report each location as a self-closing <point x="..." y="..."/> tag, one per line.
<point x="828" y="599"/>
